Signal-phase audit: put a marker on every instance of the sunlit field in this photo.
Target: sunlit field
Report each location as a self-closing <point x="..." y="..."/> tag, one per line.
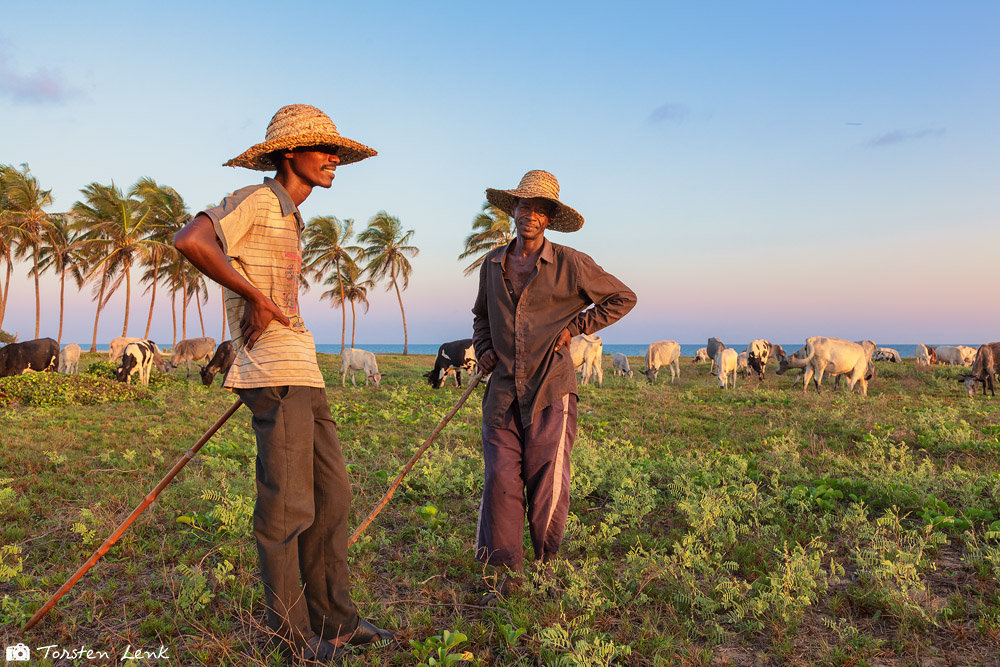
<point x="756" y="526"/>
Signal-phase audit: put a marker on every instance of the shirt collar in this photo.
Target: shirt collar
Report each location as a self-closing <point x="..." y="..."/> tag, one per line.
<point x="546" y="255"/>
<point x="288" y="207"/>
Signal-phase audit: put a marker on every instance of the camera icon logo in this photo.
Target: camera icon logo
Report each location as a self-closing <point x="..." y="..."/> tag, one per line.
<point x="18" y="653"/>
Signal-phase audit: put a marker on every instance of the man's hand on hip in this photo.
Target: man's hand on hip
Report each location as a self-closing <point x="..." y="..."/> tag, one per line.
<point x="257" y="314"/>
<point x="563" y="340"/>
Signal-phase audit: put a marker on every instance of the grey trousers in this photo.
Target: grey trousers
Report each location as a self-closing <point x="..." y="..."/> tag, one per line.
<point x="527" y="472"/>
<point x="300" y="517"/>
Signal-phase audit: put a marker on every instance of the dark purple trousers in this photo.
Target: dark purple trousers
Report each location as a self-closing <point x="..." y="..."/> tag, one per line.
<point x="527" y="472"/>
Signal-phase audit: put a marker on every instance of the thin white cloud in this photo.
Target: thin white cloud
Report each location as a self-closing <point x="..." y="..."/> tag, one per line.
<point x="42" y="87"/>
<point x="674" y="113"/>
<point x="900" y="136"/>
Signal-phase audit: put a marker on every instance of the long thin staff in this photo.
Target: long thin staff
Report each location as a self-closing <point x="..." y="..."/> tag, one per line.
<point x="108" y="543"/>
<point x="427" y="443"/>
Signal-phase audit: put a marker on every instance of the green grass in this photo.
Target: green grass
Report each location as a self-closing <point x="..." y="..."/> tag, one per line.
<point x="754" y="526"/>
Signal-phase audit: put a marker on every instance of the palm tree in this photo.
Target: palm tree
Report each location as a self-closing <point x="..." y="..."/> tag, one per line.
<point x="63" y="253"/>
<point x="167" y="213"/>
<point x="116" y="234"/>
<point x="7" y="242"/>
<point x="493" y="227"/>
<point x="324" y="250"/>
<point x="386" y="249"/>
<point x="24" y="200"/>
<point x="351" y="288"/>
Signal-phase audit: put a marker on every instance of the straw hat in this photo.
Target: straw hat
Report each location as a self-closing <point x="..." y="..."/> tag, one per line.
<point x="538" y="184"/>
<point x="299" y="125"/>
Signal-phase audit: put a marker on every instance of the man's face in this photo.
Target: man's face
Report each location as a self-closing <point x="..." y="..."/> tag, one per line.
<point x="314" y="165"/>
<point x="532" y="216"/>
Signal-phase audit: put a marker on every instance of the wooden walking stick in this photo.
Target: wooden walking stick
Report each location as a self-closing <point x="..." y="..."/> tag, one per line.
<point x="392" y="489"/>
<point x="108" y="543"/>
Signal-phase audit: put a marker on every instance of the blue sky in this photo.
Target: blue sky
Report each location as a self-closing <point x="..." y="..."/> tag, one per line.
<point x="775" y="170"/>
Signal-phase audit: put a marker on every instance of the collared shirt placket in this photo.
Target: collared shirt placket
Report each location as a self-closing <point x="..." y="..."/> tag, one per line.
<point x="520" y="340"/>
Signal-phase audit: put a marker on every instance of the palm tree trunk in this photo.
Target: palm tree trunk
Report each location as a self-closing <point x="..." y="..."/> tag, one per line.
<point x="152" y="302"/>
<point x="354" y="321"/>
<point x="100" y="304"/>
<point x="401" y="311"/>
<point x="38" y="295"/>
<point x="201" y="320"/>
<point x="128" y="298"/>
<point x="62" y="301"/>
<point x="6" y="291"/>
<point x="184" y="308"/>
<point x="173" y="314"/>
<point x="343" y="310"/>
<point x="222" y="290"/>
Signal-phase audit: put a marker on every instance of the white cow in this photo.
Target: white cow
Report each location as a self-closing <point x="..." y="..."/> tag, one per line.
<point x="619" y="363"/>
<point x="886" y="354"/>
<point x="949" y="354"/>
<point x="843" y="355"/>
<point x="701" y="355"/>
<point x="923" y="356"/>
<point x="69" y="359"/>
<point x="742" y="365"/>
<point x="968" y="354"/>
<point x="587" y="350"/>
<point x="354" y="360"/>
<point x="726" y="362"/>
<point x="663" y="353"/>
<point x="191" y="349"/>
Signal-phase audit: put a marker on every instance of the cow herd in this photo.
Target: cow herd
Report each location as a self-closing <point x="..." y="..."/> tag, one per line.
<point x="820" y="357"/>
<point x="135" y="357"/>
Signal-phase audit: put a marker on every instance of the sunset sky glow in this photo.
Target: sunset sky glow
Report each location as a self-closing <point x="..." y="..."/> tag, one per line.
<point x="752" y="170"/>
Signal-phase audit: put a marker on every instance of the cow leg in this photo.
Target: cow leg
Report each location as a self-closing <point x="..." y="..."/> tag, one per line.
<point x="353" y="383"/>
<point x="343" y="377"/>
<point x="600" y="376"/>
<point x="807" y="376"/>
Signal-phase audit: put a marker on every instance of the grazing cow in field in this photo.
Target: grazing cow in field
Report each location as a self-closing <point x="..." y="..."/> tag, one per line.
<point x="742" y="367"/>
<point x="701" y="355"/>
<point x="923" y="356"/>
<point x="948" y="354"/>
<point x="453" y="357"/>
<point x="221" y="362"/>
<point x="619" y="365"/>
<point x="587" y="350"/>
<point x="69" y="359"/>
<point x="845" y="357"/>
<point x="354" y="360"/>
<point x="968" y="354"/>
<point x="758" y="353"/>
<point x="714" y="346"/>
<point x="117" y="346"/>
<point x="986" y="366"/>
<point x="886" y="354"/>
<point x="137" y="357"/>
<point x="34" y="355"/>
<point x="726" y="363"/>
<point x="191" y="349"/>
<point x="798" y="360"/>
<point x="663" y="353"/>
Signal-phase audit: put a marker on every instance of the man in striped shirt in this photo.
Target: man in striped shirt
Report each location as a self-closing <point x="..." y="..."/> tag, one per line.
<point x="250" y="244"/>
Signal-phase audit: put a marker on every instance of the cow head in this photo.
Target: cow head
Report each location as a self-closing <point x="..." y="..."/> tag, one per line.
<point x="651" y="373"/>
<point x="375" y="378"/>
<point x="970" y="382"/>
<point x="207" y="375"/>
<point x="125" y="370"/>
<point x="783" y="365"/>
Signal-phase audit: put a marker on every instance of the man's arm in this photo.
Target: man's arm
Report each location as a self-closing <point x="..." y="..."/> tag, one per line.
<point x="482" y="340"/>
<point x="198" y="242"/>
<point x="612" y="299"/>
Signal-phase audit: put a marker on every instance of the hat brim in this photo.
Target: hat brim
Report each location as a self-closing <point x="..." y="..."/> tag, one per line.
<point x="566" y="218"/>
<point x="258" y="157"/>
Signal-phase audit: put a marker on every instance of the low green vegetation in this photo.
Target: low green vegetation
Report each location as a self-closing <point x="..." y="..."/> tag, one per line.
<point x="757" y="526"/>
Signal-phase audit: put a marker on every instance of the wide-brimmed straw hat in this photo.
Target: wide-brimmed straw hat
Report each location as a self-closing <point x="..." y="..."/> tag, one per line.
<point x="300" y="125"/>
<point x="542" y="184"/>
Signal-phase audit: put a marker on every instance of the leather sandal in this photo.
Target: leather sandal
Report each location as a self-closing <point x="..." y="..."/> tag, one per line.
<point x="366" y="633"/>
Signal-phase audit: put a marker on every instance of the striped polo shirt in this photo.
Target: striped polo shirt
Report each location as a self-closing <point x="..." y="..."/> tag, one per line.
<point x="260" y="229"/>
